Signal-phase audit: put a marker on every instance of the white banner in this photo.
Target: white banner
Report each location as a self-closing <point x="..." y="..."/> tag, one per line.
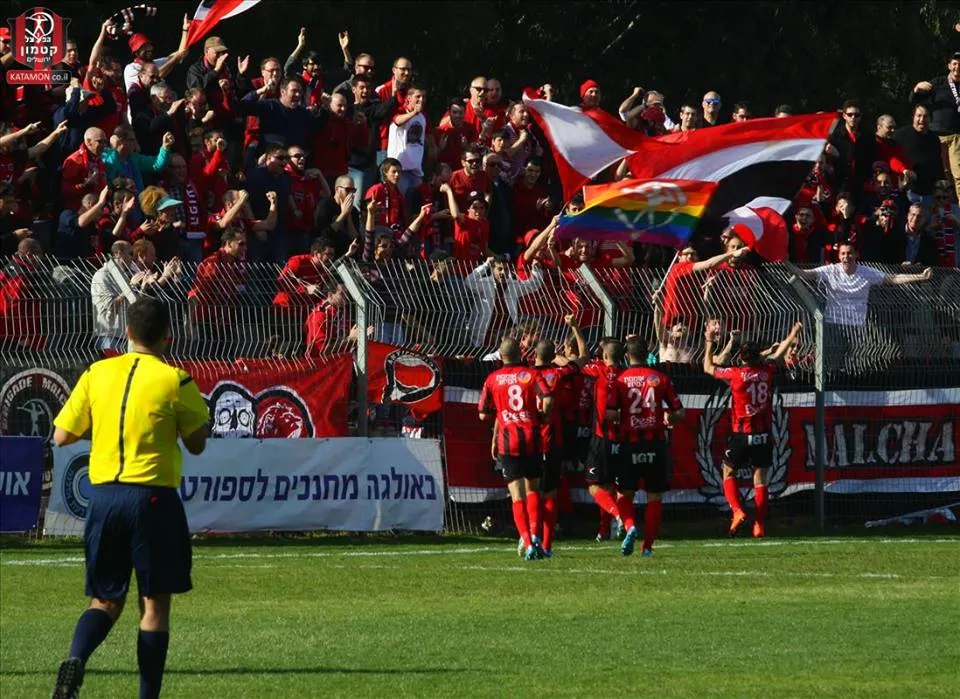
<point x="345" y="484"/>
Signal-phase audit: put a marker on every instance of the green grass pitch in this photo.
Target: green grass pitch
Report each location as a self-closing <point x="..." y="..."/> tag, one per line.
<point x="464" y="617"/>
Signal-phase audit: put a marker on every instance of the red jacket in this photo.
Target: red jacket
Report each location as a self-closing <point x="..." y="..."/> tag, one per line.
<point x="76" y="168"/>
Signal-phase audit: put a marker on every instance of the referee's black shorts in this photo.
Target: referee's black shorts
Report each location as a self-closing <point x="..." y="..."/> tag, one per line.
<point x="136" y="528"/>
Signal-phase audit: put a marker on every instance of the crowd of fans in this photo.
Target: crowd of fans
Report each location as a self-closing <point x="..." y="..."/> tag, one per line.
<point x="291" y="163"/>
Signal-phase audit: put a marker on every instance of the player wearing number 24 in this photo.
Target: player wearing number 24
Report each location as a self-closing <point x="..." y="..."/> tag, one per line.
<point x="751" y="443"/>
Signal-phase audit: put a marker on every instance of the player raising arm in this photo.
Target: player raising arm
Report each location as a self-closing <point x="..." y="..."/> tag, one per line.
<point x="751" y="442"/>
<point x="519" y="401"/>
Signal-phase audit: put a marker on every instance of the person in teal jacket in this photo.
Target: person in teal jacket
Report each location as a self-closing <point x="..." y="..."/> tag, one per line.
<point x="122" y="161"/>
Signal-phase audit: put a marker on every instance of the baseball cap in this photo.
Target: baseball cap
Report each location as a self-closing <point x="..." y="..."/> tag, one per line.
<point x="529" y="236"/>
<point x="439" y="256"/>
<point x="4" y="33"/>
<point x="214" y="42"/>
<point x="167" y="202"/>
<point x="137" y="42"/>
<point x="955" y="56"/>
<point x="475" y="197"/>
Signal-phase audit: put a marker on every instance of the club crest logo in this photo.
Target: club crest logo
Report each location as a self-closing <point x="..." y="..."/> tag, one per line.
<point x="277" y="412"/>
<point x="29" y="402"/>
<point x="76" y="486"/>
<point x="710" y="471"/>
<point x="39" y="38"/>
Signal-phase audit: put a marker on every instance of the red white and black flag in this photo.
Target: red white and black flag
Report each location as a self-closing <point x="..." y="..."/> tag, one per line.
<point x="210" y="12"/>
<point x="748" y="159"/>
<point x="404" y="376"/>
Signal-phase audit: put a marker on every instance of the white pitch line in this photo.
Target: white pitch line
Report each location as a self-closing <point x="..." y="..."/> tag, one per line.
<point x="443" y="551"/>
<point x="699" y="573"/>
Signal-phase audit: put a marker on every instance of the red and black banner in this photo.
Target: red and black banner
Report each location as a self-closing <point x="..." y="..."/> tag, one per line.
<point x="407" y="377"/>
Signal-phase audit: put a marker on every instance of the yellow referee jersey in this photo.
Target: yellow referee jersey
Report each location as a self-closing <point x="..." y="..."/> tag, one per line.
<point x="137" y="405"/>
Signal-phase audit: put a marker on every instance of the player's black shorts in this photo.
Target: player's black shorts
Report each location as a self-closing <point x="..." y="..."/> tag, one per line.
<point x="141" y="528"/>
<point x="552" y="468"/>
<point x="576" y="442"/>
<point x="646" y="461"/>
<point x="754" y="450"/>
<point x="603" y="465"/>
<point x="516" y="467"/>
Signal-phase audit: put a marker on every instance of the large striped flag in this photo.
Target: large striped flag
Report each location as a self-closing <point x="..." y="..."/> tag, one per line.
<point x="210" y="12"/>
<point x="748" y="159"/>
<point x="661" y="212"/>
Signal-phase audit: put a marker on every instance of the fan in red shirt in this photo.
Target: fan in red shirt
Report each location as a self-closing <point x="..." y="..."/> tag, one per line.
<point x="328" y="325"/>
<point x="471" y="178"/>
<point x="305" y="191"/>
<point x="331" y="144"/>
<point x="471" y="231"/>
<point x="519" y="401"/>
<point x="751" y="441"/>
<point x="682" y="288"/>
<point x="397" y="85"/>
<point x="219" y="279"/>
<point x="83" y="170"/>
<point x="391" y="206"/>
<point x="638" y="397"/>
<point x="454" y="136"/>
<point x="531" y="205"/>
<point x="302" y="277"/>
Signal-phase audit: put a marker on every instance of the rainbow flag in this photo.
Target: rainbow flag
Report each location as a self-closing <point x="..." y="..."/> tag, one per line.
<point x="658" y="211"/>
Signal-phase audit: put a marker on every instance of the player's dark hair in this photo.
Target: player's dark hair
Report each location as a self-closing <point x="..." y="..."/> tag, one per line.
<point x="321" y="244"/>
<point x="750" y="351"/>
<point x="614" y="350"/>
<point x="509" y="350"/>
<point x="546" y="351"/>
<point x="149" y="321"/>
<point x="635" y="349"/>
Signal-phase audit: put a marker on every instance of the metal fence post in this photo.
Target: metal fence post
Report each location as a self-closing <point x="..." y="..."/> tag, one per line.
<point x="609" y="310"/>
<point x="360" y="358"/>
<point x="819" y="387"/>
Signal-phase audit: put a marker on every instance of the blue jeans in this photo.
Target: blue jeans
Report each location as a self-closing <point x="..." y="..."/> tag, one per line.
<point x="389" y="333"/>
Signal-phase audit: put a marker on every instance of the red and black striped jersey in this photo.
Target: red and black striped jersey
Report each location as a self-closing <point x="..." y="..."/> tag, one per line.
<point x="751" y="388"/>
<point x="604" y="378"/>
<point x="558" y="380"/>
<point x="513" y="394"/>
<point x="640" y="394"/>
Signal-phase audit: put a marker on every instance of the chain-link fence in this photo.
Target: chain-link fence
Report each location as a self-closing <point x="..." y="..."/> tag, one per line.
<point x="865" y="412"/>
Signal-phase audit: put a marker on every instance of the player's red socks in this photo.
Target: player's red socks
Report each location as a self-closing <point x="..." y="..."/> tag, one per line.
<point x="651" y="522"/>
<point x="604" y="498"/>
<point x="549" y="521"/>
<point x="520" y="519"/>
<point x="533" y="511"/>
<point x="627" y="512"/>
<point x="606" y="520"/>
<point x="564" y="495"/>
<point x="732" y="494"/>
<point x="760" y="499"/>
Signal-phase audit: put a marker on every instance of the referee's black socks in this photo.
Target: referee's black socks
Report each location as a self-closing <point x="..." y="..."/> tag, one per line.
<point x="151" y="656"/>
<point x="92" y="628"/>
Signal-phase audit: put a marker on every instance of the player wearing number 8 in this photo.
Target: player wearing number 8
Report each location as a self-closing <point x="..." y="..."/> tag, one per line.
<point x="751" y="389"/>
<point x="519" y="401"/>
<point x="638" y="398"/>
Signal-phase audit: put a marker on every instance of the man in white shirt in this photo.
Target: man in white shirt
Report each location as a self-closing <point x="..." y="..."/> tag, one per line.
<point x="407" y="139"/>
<point x="110" y="292"/>
<point x="498" y="298"/>
<point x="847" y="288"/>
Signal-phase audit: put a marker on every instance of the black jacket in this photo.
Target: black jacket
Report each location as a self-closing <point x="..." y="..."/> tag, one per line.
<point x="944" y="116"/>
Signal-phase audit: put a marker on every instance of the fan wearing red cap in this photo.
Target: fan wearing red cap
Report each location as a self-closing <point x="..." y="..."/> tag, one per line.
<point x="589" y="95"/>
<point x="143" y="51"/>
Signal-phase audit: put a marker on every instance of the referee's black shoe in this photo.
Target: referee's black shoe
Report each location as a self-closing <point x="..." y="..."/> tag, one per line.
<point x="69" y="679"/>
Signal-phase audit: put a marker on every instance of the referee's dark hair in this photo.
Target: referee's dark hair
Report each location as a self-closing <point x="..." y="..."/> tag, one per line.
<point x="149" y="321"/>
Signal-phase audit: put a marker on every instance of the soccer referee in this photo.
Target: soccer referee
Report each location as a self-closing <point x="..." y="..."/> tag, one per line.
<point x="135" y="406"/>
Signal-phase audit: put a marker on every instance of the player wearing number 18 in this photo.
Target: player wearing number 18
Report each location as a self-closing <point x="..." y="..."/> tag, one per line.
<point x="519" y="400"/>
<point x="751" y="441"/>
<point x="638" y="398"/>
